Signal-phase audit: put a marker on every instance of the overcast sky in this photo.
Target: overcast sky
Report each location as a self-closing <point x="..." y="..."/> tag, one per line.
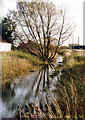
<point x="74" y="7"/>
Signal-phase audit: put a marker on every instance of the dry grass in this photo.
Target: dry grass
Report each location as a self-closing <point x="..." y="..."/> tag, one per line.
<point x="59" y="106"/>
<point x="74" y="57"/>
<point x="17" y="63"/>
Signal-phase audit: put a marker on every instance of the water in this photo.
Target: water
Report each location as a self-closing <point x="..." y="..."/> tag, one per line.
<point x="27" y="88"/>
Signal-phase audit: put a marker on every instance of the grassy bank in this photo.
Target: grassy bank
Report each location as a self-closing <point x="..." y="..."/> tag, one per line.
<point x="17" y="63"/>
<point x="70" y="91"/>
<point x="73" y="57"/>
<point x="71" y="86"/>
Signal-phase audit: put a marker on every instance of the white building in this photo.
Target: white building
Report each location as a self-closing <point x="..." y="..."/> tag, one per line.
<point x="5" y="47"/>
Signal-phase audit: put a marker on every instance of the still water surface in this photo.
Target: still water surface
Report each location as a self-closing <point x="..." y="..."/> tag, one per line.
<point x="27" y="88"/>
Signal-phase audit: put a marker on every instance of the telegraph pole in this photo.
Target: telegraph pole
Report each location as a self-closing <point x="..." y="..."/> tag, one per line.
<point x="72" y="44"/>
<point x="78" y="40"/>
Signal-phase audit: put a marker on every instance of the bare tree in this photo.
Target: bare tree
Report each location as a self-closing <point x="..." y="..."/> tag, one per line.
<point x="41" y="25"/>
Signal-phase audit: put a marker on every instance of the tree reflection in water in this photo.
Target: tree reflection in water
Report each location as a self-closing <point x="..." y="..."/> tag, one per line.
<point x="27" y="88"/>
<point x="68" y="91"/>
<point x="43" y="78"/>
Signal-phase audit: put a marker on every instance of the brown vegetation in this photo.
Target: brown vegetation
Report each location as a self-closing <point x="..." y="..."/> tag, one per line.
<point x="16" y="63"/>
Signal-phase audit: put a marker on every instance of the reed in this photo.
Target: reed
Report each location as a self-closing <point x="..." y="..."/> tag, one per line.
<point x="61" y="105"/>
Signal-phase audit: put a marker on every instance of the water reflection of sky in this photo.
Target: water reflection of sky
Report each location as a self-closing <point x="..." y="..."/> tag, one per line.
<point x="27" y="88"/>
